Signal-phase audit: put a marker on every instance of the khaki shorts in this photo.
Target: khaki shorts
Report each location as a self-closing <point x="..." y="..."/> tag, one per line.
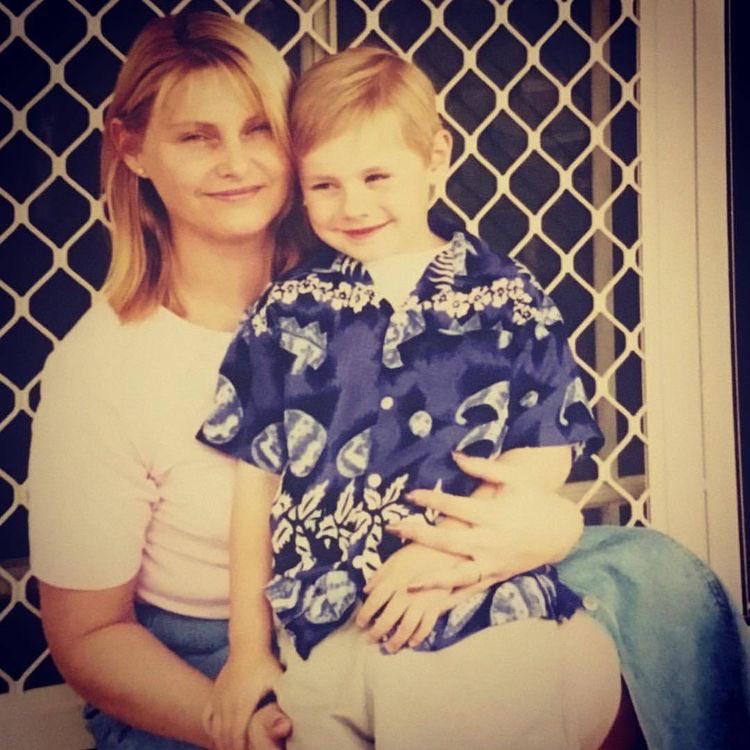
<point x="527" y="685"/>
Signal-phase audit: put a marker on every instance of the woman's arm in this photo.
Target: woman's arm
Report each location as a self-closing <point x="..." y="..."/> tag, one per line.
<point x="515" y="521"/>
<point x="119" y="666"/>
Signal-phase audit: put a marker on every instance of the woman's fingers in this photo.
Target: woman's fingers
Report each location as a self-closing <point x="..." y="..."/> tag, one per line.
<point x="545" y="466"/>
<point x="456" y="541"/>
<point x="489" y="470"/>
<point x="470" y="511"/>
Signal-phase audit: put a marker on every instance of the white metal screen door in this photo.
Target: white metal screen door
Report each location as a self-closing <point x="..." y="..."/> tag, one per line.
<point x="542" y="99"/>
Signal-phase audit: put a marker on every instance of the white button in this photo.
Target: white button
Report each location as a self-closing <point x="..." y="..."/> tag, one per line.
<point x="420" y="423"/>
<point x="374" y="481"/>
<point x="590" y="602"/>
<point x="386" y="403"/>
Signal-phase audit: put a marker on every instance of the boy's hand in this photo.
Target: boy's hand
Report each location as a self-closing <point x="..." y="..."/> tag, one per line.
<point x="269" y="728"/>
<point x="237" y="690"/>
<point x="409" y="618"/>
<point x="396" y="614"/>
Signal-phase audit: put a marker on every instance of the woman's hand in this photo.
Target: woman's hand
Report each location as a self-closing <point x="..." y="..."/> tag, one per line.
<point x="240" y="685"/>
<point x="514" y="522"/>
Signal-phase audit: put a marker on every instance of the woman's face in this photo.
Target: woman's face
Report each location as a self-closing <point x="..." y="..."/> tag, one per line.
<point x="211" y="155"/>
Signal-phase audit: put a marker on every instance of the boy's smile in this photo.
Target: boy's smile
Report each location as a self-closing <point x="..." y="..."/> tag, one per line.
<point x="364" y="232"/>
<point x="367" y="191"/>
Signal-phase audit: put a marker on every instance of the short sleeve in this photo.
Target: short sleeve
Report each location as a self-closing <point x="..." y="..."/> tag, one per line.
<point x="247" y="420"/>
<point x="548" y="403"/>
<point x="89" y="491"/>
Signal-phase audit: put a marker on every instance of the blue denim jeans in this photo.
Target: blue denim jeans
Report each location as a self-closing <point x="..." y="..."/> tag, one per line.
<point x="683" y="649"/>
<point x="201" y="643"/>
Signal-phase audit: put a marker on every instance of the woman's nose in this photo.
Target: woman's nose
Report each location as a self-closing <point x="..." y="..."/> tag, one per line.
<point x="233" y="158"/>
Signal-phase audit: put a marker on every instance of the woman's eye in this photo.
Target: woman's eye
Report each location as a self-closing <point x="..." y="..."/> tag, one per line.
<point x="258" y="127"/>
<point x="192" y="137"/>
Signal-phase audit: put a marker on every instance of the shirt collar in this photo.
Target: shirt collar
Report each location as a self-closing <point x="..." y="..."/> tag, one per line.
<point x="466" y="257"/>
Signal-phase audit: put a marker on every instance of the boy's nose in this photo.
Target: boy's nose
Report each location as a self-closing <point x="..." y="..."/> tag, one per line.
<point x="355" y="203"/>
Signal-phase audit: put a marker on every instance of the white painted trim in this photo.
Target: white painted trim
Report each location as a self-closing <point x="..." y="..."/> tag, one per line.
<point x="42" y="719"/>
<point x="686" y="294"/>
<point x="715" y="312"/>
<point x="670" y="262"/>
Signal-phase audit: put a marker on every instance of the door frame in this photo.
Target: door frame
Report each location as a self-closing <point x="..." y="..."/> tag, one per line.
<point x="692" y="466"/>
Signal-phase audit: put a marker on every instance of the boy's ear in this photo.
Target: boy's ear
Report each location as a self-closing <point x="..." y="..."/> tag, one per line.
<point x="128" y="145"/>
<point x="440" y="155"/>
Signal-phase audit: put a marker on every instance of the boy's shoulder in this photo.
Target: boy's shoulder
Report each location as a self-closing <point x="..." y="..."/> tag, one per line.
<point x="475" y="261"/>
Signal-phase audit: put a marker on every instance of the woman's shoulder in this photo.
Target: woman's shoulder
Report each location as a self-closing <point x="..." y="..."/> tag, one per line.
<point x="95" y="327"/>
<point x="99" y="342"/>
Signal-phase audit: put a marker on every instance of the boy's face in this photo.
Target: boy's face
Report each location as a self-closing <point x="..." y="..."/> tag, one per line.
<point x="367" y="191"/>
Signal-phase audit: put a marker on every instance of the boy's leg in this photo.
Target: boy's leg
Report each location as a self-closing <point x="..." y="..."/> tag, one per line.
<point x="324" y="695"/>
<point x="592" y="684"/>
<point x="503" y="687"/>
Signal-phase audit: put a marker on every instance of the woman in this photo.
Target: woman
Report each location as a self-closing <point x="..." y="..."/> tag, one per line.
<point x="130" y="520"/>
<point x="131" y="514"/>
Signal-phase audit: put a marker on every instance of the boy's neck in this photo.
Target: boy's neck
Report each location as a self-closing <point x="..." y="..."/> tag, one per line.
<point x="426" y="244"/>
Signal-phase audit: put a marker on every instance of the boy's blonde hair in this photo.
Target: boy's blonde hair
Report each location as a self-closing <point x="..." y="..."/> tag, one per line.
<point x="343" y="90"/>
<point x="165" y="51"/>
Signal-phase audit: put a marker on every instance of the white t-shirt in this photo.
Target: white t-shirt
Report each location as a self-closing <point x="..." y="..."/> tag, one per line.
<point x="396" y="275"/>
<point x="118" y="485"/>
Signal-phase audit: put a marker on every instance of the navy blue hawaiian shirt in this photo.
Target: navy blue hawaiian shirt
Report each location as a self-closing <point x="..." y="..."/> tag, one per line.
<point x="356" y="403"/>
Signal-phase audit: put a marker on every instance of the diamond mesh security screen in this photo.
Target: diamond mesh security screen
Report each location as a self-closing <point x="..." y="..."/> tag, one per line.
<point x="542" y="100"/>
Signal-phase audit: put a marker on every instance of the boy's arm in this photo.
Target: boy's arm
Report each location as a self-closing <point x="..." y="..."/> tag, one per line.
<point x="251" y="669"/>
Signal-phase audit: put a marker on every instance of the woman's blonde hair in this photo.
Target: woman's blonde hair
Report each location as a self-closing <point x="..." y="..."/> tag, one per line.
<point x="345" y="89"/>
<point x="165" y="51"/>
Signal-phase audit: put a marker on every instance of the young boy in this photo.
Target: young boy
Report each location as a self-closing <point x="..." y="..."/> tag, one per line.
<point x="356" y="377"/>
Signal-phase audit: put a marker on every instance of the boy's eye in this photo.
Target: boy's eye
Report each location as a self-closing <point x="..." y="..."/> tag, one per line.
<point x="376" y="177"/>
<point x="321" y="186"/>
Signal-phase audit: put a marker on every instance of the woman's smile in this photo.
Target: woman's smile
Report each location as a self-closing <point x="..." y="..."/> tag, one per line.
<point x="235" y="194"/>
